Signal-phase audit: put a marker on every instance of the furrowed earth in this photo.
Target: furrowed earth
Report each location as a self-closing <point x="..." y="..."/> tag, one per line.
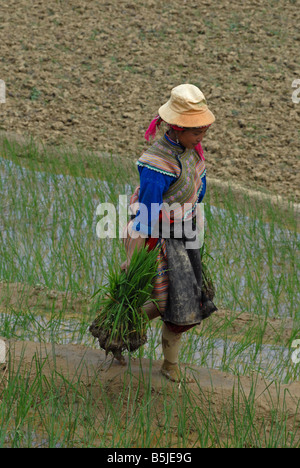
<point x="92" y="75"/>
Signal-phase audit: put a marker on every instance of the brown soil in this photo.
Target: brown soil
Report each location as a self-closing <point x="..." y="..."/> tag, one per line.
<point x="104" y="378"/>
<point x="95" y="73"/>
<point x="213" y="386"/>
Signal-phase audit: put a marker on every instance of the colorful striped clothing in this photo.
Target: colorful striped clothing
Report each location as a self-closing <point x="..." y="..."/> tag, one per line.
<point x="171" y="174"/>
<point x="160" y="179"/>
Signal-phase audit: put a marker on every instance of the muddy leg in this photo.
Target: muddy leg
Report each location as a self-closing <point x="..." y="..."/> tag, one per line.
<point x="171" y="345"/>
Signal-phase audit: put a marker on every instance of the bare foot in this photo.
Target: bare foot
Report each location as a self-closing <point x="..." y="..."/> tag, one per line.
<point x="173" y="373"/>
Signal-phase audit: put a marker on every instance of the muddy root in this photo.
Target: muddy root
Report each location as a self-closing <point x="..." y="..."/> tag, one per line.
<point x="117" y="346"/>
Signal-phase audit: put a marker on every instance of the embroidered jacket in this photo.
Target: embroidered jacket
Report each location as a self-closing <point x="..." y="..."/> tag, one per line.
<point x="169" y="174"/>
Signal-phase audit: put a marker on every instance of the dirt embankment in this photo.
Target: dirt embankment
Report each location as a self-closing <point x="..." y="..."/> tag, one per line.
<point x="217" y="393"/>
<point x="94" y="74"/>
<point x="97" y="374"/>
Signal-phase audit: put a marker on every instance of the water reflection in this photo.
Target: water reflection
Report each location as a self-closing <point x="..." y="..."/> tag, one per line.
<point x="48" y="235"/>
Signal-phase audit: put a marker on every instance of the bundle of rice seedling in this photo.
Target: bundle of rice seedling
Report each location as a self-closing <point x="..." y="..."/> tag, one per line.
<point x="121" y="324"/>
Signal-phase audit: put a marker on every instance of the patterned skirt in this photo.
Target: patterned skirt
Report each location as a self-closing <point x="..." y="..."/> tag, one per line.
<point x="177" y="288"/>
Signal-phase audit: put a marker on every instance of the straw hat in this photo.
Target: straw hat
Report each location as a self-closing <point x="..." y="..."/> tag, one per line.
<point x="186" y="108"/>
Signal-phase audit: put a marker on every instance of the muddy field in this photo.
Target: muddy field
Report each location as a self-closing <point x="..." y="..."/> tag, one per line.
<point x="217" y="388"/>
<point x="94" y="74"/>
<point x="88" y="369"/>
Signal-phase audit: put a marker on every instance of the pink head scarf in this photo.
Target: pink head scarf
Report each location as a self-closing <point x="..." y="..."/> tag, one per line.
<point x="154" y="126"/>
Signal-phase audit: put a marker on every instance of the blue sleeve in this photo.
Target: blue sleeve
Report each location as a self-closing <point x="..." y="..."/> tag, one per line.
<point x="203" y="190"/>
<point x="153" y="185"/>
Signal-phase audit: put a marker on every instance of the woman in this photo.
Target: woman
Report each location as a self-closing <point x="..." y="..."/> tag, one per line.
<point x="172" y="174"/>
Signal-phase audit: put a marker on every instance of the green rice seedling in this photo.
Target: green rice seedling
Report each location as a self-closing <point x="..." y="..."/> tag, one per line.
<point x="121" y="323"/>
<point x="48" y="237"/>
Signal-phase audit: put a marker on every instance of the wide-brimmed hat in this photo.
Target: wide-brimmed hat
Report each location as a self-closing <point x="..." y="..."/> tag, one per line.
<point x="186" y="107"/>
